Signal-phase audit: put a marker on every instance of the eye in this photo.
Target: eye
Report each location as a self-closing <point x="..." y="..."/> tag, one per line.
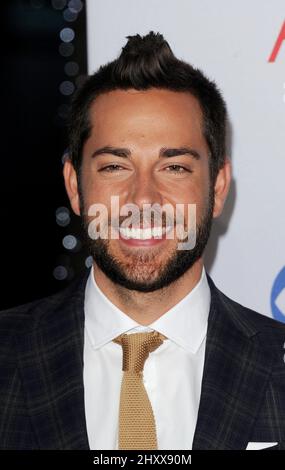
<point x="178" y="169"/>
<point x="110" y="168"/>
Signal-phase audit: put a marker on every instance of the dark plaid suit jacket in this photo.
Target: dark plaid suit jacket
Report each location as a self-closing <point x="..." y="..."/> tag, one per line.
<point x="41" y="375"/>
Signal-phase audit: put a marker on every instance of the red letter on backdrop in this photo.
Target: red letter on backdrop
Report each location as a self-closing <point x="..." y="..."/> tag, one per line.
<point x="277" y="45"/>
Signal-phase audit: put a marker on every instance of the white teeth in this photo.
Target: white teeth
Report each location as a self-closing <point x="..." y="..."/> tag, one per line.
<point x="157" y="231"/>
<point x="143" y="234"/>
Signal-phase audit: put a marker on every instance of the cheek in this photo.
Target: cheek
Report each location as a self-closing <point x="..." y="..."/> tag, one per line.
<point x="195" y="191"/>
<point x="93" y="192"/>
<point x="195" y="200"/>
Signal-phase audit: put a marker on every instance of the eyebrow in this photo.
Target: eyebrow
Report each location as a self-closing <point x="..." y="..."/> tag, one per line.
<point x="164" y="152"/>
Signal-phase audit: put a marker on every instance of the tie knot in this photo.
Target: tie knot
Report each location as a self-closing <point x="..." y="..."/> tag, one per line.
<point x="136" y="348"/>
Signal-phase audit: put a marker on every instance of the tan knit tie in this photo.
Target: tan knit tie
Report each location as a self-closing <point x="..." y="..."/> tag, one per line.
<point x="136" y="419"/>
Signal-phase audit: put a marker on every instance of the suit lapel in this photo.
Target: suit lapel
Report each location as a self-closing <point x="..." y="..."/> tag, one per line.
<point x="51" y="365"/>
<point x="236" y="372"/>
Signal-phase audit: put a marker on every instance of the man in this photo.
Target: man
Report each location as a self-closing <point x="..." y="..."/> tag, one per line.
<point x="143" y="351"/>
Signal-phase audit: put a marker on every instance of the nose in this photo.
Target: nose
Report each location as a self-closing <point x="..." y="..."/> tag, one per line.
<point x="144" y="189"/>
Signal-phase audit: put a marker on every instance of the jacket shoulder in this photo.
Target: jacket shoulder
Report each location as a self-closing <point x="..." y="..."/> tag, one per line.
<point x="248" y="320"/>
<point x="13" y="320"/>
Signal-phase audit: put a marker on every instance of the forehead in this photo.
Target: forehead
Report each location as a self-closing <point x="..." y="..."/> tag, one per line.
<point x="146" y="113"/>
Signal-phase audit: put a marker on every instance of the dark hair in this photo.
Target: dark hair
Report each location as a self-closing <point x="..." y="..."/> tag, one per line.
<point x="148" y="62"/>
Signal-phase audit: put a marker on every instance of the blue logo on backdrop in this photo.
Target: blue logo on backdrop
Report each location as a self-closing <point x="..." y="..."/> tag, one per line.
<point x="278" y="297"/>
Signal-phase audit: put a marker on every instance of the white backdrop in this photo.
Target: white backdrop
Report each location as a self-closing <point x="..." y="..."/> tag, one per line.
<point x="231" y="42"/>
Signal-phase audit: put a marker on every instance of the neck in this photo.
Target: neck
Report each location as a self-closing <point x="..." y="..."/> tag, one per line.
<point x="146" y="307"/>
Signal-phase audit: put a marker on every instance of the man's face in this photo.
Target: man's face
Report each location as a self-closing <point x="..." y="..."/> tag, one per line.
<point x="144" y="124"/>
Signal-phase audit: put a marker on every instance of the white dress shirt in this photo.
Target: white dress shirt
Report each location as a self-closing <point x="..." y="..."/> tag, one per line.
<point x="172" y="373"/>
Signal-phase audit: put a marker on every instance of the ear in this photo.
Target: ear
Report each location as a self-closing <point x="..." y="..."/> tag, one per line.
<point x="222" y="186"/>
<point x="71" y="185"/>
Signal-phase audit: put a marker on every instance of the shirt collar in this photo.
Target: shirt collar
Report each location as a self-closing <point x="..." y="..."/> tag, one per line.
<point x="185" y="323"/>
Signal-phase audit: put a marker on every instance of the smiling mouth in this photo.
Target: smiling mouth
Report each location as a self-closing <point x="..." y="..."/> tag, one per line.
<point x="137" y="233"/>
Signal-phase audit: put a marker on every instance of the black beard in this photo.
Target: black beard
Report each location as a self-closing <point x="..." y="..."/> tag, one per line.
<point x="176" y="266"/>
